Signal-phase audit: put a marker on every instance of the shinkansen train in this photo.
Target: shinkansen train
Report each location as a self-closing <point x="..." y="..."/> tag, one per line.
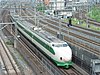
<point x="57" y="50"/>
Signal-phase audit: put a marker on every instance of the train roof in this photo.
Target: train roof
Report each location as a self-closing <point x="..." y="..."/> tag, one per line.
<point x="45" y="35"/>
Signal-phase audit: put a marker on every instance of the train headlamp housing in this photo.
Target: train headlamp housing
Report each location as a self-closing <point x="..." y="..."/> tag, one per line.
<point x="60" y="58"/>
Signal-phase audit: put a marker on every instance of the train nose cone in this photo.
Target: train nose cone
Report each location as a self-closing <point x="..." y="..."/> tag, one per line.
<point x="64" y="60"/>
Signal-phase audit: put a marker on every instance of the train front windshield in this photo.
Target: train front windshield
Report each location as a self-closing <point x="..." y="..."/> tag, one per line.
<point x="59" y="45"/>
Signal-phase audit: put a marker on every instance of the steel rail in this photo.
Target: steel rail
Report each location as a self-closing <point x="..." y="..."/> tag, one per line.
<point x="10" y="59"/>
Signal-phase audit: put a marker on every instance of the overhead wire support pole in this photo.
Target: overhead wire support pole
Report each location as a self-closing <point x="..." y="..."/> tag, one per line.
<point x="1" y="28"/>
<point x="35" y="12"/>
<point x="20" y="8"/>
<point x="87" y="15"/>
<point x="5" y="25"/>
<point x="15" y="37"/>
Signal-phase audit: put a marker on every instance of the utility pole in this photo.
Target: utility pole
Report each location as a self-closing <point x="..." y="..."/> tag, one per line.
<point x="87" y="15"/>
<point x="15" y="36"/>
<point x="35" y="12"/>
<point x="20" y="7"/>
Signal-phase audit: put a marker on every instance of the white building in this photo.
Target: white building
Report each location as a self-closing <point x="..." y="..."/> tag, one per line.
<point x="56" y="4"/>
<point x="91" y="1"/>
<point x="80" y="0"/>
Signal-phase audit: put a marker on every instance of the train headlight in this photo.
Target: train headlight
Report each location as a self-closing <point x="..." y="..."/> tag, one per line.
<point x="60" y="58"/>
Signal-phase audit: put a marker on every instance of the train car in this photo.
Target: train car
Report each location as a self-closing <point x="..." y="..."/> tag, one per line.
<point x="56" y="49"/>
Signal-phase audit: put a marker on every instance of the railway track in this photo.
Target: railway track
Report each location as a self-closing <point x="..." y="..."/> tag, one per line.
<point x="53" y="21"/>
<point x="63" y="29"/>
<point x="24" y="68"/>
<point x="64" y="25"/>
<point x="70" y="71"/>
<point x="87" y="19"/>
<point x="11" y="68"/>
<point x="9" y="63"/>
<point x="95" y="23"/>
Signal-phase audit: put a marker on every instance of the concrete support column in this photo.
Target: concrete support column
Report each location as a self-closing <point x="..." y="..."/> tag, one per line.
<point x="15" y="37"/>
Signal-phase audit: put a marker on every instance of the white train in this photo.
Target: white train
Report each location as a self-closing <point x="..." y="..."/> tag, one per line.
<point x="54" y="48"/>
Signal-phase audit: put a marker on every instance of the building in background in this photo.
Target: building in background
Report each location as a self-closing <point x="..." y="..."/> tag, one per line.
<point x="67" y="8"/>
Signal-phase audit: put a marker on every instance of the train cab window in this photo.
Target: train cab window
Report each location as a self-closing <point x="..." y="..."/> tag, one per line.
<point x="56" y="45"/>
<point x="59" y="45"/>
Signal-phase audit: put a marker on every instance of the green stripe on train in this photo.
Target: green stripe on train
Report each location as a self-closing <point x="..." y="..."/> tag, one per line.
<point x="38" y="40"/>
<point x="63" y="63"/>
